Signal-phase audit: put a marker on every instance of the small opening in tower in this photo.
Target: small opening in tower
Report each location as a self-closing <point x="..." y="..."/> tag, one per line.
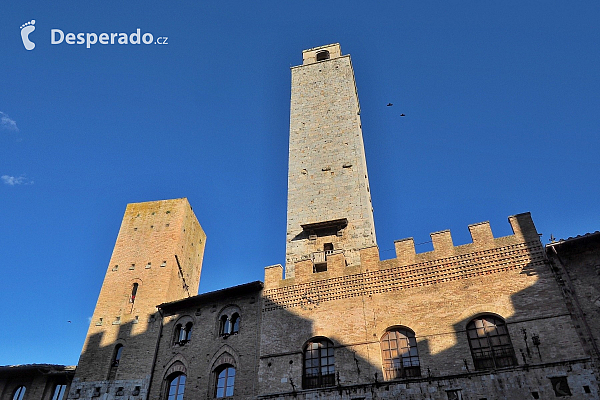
<point x="321" y="267"/>
<point x="323" y="55"/>
<point x="133" y="293"/>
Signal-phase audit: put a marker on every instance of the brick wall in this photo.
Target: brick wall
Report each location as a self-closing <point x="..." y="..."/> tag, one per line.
<point x="435" y="294"/>
<point x="160" y="248"/>
<point x="207" y="349"/>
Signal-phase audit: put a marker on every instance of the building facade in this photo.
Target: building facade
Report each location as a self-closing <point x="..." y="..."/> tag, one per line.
<point x="498" y="318"/>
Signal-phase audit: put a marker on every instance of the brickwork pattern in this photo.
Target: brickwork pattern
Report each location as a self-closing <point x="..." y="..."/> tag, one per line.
<point x="506" y="258"/>
<point x="435" y="294"/>
<point x="206" y="349"/>
<point x="160" y="247"/>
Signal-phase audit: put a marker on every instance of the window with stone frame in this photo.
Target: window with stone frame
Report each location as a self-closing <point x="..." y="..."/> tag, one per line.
<point x="182" y="333"/>
<point x="229" y="321"/>
<point x="490" y="343"/>
<point x="175" y="386"/>
<point x="319" y="364"/>
<point x="225" y="381"/>
<point x="235" y="323"/>
<point x="399" y="353"/>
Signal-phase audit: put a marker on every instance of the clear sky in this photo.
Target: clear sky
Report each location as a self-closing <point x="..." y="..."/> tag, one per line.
<point x="502" y="104"/>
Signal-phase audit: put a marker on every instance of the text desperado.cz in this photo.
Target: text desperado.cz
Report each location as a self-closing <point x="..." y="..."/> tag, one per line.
<point x="89" y="38"/>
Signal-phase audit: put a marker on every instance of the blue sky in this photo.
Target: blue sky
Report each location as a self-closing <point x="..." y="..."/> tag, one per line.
<point x="502" y="106"/>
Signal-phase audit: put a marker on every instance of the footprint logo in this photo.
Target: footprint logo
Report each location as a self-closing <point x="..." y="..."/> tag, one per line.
<point x="26" y="29"/>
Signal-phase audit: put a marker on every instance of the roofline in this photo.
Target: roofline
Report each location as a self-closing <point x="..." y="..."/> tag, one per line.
<point x="573" y="239"/>
<point x="190" y="301"/>
<point x="53" y="368"/>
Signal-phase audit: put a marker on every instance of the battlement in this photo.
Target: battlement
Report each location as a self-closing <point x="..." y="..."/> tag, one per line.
<point x="524" y="237"/>
<point x="481" y="235"/>
<point x="321" y="53"/>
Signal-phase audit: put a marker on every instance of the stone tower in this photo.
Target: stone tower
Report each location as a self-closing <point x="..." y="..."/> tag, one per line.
<point x="329" y="205"/>
<point x="157" y="259"/>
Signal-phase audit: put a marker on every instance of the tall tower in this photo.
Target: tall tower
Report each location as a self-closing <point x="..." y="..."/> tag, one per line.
<point x="329" y="205"/>
<point x="157" y="259"/>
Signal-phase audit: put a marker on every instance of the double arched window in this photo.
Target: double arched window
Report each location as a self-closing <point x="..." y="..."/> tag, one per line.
<point x="229" y="325"/>
<point x="176" y="387"/>
<point x="225" y="380"/>
<point x="319" y="364"/>
<point x="183" y="333"/>
<point x="400" y="354"/>
<point x="490" y="343"/>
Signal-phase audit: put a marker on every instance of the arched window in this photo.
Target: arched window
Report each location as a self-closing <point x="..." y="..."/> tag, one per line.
<point x="177" y="334"/>
<point x="187" y="332"/>
<point x="400" y="354"/>
<point x="235" y="323"/>
<point x="19" y="393"/>
<point x="176" y="387"/>
<point x="114" y="363"/>
<point x="319" y="364"/>
<point x="323" y="55"/>
<point x="224" y="326"/>
<point x="134" y="290"/>
<point x="182" y="334"/>
<point x="225" y="381"/>
<point x="490" y="343"/>
<point x="117" y="355"/>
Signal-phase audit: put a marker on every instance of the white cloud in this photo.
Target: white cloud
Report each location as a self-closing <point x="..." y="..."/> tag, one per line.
<point x="15" y="180"/>
<point x="7" y="123"/>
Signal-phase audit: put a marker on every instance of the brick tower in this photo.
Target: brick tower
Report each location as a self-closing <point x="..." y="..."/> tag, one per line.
<point x="157" y="259"/>
<point x="329" y="205"/>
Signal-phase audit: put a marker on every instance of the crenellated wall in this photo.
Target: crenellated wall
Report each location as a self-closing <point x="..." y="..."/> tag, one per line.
<point x="435" y="294"/>
<point x="483" y="256"/>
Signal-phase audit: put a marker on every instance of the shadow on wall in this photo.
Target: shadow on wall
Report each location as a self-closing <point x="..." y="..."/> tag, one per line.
<point x="503" y="334"/>
<point x="121" y="367"/>
<point x="506" y="334"/>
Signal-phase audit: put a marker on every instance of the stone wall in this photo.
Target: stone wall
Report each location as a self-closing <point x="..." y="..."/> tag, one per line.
<point x="327" y="176"/>
<point x="576" y="262"/>
<point x="207" y="349"/>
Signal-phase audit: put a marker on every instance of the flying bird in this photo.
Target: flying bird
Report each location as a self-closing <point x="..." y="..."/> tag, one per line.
<point x="402" y="115"/>
<point x="389" y="104"/>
